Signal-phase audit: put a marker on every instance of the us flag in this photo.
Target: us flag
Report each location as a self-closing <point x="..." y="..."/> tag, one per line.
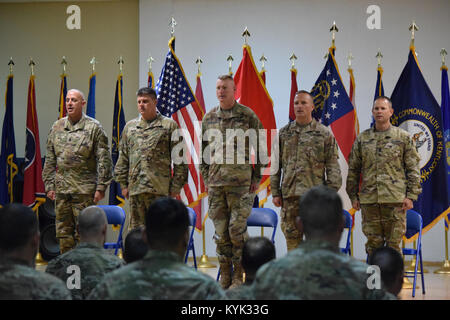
<point x="177" y="100"/>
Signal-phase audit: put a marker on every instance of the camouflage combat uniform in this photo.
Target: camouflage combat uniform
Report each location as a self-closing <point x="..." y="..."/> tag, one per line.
<point x="308" y="156"/>
<point x="94" y="263"/>
<point x="160" y="275"/>
<point x="315" y="270"/>
<point x="388" y="163"/>
<point x="77" y="163"/>
<point x="144" y="164"/>
<point x="20" y="282"/>
<point x="228" y="181"/>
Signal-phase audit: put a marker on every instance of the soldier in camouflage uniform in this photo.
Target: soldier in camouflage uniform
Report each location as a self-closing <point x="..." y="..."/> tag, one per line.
<point x="19" y="244"/>
<point x="387" y="161"/>
<point x="231" y="183"/>
<point x="161" y="274"/>
<point x="77" y="168"/>
<point x="143" y="169"/>
<point x="308" y="156"/>
<point x="316" y="269"/>
<point x="89" y="256"/>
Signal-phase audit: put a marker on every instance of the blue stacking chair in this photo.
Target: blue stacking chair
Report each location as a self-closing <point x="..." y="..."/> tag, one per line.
<point x="115" y="216"/>
<point x="191" y="247"/>
<point x="348" y="225"/>
<point x="413" y="227"/>
<point x="261" y="217"/>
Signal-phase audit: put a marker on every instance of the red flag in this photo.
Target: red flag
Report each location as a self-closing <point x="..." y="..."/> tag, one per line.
<point x="33" y="186"/>
<point x="294" y="89"/>
<point x="352" y="98"/>
<point x="252" y="92"/>
<point x="201" y="183"/>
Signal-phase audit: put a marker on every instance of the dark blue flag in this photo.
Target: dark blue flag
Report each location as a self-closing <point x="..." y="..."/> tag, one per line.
<point x="115" y="193"/>
<point x="417" y="111"/>
<point x="8" y="162"/>
<point x="90" y="109"/>
<point x="445" y="107"/>
<point x="379" y="89"/>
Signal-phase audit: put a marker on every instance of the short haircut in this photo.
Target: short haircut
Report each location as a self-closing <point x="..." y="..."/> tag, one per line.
<point x="305" y="92"/>
<point x="166" y="222"/>
<point x="134" y="248"/>
<point x="146" y="91"/>
<point x="80" y="92"/>
<point x="18" y="224"/>
<point x="256" y="252"/>
<point x="385" y="98"/>
<point x="390" y="262"/>
<point x="225" y="77"/>
<point x="91" y="221"/>
<point x="321" y="211"/>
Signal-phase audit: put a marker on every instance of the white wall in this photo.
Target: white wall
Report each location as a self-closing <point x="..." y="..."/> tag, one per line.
<point x="212" y="29"/>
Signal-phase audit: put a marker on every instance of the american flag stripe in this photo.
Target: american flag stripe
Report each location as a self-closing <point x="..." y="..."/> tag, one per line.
<point x="176" y="100"/>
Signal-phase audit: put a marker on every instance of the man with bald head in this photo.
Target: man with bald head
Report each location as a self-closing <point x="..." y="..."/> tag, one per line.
<point x="77" y="169"/>
<point x="88" y="258"/>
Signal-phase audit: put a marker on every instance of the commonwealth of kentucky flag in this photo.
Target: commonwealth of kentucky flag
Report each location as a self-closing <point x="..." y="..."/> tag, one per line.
<point x="445" y="108"/>
<point x="252" y="92"/>
<point x="333" y="106"/>
<point x="176" y="99"/>
<point x="8" y="162"/>
<point x="90" y="109"/>
<point x="62" y="96"/>
<point x="33" y="186"/>
<point x="294" y="89"/>
<point x="115" y="193"/>
<point x="417" y="111"/>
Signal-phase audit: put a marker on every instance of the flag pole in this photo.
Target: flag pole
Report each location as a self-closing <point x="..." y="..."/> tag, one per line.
<point x="445" y="268"/>
<point x="204" y="260"/>
<point x="350" y="70"/>
<point x="38" y="260"/>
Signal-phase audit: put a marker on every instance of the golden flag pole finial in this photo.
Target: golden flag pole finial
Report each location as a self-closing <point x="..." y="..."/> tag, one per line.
<point x="230" y="60"/>
<point x="120" y="63"/>
<point x="150" y="60"/>
<point x="293" y="57"/>
<point x="32" y="64"/>
<point x="93" y="62"/>
<point x="199" y="61"/>
<point x="333" y="31"/>
<point x="443" y="54"/>
<point x="263" y="59"/>
<point x="379" y="56"/>
<point x="11" y="65"/>
<point x="413" y="28"/>
<point x="172" y="25"/>
<point x="349" y="59"/>
<point x="64" y="64"/>
<point x="246" y="34"/>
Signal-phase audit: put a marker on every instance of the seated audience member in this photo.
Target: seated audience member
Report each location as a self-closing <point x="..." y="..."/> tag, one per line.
<point x="316" y="269"/>
<point x="135" y="247"/>
<point x="391" y="266"/>
<point x="19" y="244"/>
<point x="256" y="252"/>
<point x="161" y="274"/>
<point x="88" y="258"/>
